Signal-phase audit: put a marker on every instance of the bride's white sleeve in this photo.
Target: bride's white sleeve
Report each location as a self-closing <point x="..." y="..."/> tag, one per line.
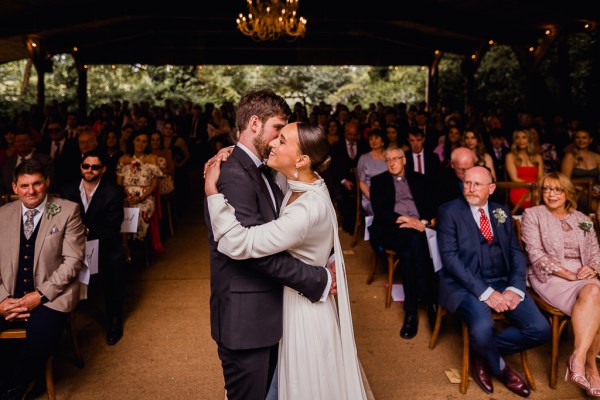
<point x="239" y="242"/>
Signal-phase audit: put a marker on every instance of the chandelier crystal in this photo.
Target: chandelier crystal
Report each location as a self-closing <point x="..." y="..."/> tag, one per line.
<point x="271" y="19"/>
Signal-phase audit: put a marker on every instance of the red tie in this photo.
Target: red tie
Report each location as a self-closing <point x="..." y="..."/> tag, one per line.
<point x="419" y="168"/>
<point x="484" y="225"/>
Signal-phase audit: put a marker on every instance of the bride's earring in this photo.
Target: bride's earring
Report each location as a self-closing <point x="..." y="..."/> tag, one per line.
<point x="296" y="173"/>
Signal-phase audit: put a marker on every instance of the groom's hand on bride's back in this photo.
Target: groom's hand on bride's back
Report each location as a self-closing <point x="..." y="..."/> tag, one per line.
<point x="331" y="268"/>
<point x="221" y="156"/>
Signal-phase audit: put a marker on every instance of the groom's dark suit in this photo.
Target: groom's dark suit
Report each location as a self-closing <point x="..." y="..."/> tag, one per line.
<point x="470" y="266"/>
<point x="246" y="301"/>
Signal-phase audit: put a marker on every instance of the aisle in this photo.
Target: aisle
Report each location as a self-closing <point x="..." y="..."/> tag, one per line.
<point x="167" y="351"/>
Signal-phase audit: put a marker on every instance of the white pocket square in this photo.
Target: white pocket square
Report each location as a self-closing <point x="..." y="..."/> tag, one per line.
<point x="53" y="230"/>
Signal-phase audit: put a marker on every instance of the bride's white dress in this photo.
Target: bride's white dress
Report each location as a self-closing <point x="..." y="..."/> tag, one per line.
<point x="317" y="353"/>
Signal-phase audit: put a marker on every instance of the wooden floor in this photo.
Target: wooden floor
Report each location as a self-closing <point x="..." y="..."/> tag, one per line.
<point x="167" y="351"/>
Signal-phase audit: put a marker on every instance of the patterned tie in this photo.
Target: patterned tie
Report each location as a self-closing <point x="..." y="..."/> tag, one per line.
<point x="29" y="226"/>
<point x="484" y="225"/>
<point x="419" y="168"/>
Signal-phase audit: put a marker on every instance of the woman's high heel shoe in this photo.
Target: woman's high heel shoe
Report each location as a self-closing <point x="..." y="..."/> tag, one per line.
<point x="574" y="377"/>
<point x="592" y="391"/>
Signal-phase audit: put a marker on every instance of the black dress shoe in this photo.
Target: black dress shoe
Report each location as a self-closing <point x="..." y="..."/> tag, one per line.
<point x="410" y="326"/>
<point x="514" y="382"/>
<point x="481" y="375"/>
<point x="432" y="310"/>
<point x="115" y="331"/>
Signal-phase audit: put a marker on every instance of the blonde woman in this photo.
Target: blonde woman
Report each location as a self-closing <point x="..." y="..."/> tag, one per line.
<point x="524" y="163"/>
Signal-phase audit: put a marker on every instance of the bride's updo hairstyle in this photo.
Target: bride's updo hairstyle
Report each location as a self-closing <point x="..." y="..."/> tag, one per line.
<point x="314" y="144"/>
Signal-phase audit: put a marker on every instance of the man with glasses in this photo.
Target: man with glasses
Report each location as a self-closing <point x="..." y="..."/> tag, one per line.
<point x="101" y="205"/>
<point x="484" y="272"/>
<point x="402" y="209"/>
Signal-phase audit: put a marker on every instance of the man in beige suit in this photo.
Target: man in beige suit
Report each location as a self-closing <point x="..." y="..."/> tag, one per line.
<point x="42" y="248"/>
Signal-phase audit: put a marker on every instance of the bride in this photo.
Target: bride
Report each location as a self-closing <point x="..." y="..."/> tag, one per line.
<point x="317" y="353"/>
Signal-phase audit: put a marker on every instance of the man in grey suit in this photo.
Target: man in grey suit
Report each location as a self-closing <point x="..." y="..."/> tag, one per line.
<point x="42" y="248"/>
<point x="246" y="300"/>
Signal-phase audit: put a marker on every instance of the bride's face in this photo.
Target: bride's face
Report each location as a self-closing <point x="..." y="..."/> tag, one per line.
<point x="285" y="150"/>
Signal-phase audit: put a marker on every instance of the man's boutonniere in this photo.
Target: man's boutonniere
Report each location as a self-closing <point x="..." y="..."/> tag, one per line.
<point x="500" y="215"/>
<point x="586" y="226"/>
<point x="52" y="209"/>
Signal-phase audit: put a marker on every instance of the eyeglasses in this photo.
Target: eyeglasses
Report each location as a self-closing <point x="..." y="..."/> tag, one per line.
<point x="475" y="185"/>
<point x="94" y="167"/>
<point x="549" y="190"/>
<point x="393" y="159"/>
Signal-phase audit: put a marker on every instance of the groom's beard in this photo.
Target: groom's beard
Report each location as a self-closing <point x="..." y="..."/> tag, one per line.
<point x="260" y="145"/>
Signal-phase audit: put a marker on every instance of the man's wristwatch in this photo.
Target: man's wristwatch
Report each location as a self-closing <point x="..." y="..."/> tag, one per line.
<point x="44" y="298"/>
<point x="425" y="222"/>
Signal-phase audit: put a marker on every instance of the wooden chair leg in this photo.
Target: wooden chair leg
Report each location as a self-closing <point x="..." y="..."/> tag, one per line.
<point x="50" y="378"/>
<point x="392" y="264"/>
<point x="436" y="327"/>
<point x="526" y="370"/>
<point x="555" y="326"/>
<point x="75" y="343"/>
<point x="373" y="267"/>
<point x="464" y="376"/>
<point x="170" y="216"/>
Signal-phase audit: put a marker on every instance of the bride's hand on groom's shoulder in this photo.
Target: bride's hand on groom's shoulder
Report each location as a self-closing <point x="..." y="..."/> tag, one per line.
<point x="221" y="156"/>
<point x="211" y="177"/>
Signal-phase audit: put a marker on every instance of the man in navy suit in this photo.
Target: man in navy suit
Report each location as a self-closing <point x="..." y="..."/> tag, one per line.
<point x="101" y="204"/>
<point x="486" y="274"/>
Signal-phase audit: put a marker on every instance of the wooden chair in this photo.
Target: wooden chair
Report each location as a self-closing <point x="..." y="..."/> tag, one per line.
<point x="392" y="263"/>
<point x="558" y="322"/>
<point x="505" y="186"/>
<point x="466" y="351"/>
<point x="584" y="187"/>
<point x="360" y="214"/>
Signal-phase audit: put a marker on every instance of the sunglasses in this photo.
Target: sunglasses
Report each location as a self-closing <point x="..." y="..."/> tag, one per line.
<point x="94" y="167"/>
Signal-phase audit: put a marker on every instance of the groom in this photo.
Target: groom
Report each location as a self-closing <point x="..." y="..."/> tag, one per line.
<point x="246" y="302"/>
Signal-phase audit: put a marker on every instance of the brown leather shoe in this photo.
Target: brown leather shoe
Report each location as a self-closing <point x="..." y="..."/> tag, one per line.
<point x="481" y="375"/>
<point x="514" y="382"/>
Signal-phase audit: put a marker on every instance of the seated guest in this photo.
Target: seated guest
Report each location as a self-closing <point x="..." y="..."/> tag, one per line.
<point x="24" y="150"/>
<point x="38" y="289"/>
<point x="419" y="160"/>
<point x="402" y="209"/>
<point x="63" y="152"/>
<point x="484" y="272"/>
<point x="498" y="151"/>
<point x="344" y="159"/>
<point x="369" y="165"/>
<point x="582" y="162"/>
<point x="473" y="140"/>
<point x="101" y="206"/>
<point x="524" y="163"/>
<point x="563" y="251"/>
<point x="451" y="179"/>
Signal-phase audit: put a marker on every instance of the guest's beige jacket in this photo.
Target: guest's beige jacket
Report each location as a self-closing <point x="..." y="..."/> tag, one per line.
<point x="58" y="257"/>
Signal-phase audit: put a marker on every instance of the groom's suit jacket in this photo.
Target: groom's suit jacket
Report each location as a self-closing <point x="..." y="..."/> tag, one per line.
<point x="58" y="254"/>
<point x="246" y="302"/>
<point x="459" y="243"/>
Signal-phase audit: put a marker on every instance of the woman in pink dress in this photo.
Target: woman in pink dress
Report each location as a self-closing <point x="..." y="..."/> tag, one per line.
<point x="564" y="258"/>
<point x="524" y="163"/>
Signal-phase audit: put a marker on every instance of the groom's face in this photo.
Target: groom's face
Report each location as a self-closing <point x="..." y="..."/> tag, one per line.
<point x="268" y="132"/>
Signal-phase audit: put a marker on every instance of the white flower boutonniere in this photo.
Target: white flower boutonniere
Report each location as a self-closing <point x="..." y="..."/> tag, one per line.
<point x="586" y="226"/>
<point x="500" y="215"/>
<point x="52" y="209"/>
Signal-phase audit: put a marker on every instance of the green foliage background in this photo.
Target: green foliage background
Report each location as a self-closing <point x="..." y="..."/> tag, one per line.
<point x="499" y="81"/>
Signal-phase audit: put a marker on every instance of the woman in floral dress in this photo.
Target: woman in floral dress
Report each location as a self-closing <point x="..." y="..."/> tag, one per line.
<point x="138" y="173"/>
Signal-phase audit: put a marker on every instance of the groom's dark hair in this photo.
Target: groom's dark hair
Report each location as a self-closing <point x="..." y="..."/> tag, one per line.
<point x="314" y="144"/>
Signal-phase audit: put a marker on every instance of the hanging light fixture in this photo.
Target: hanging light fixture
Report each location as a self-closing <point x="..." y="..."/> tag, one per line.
<point x="271" y="19"/>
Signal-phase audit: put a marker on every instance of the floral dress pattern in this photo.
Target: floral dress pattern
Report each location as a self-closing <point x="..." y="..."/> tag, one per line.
<point x="137" y="177"/>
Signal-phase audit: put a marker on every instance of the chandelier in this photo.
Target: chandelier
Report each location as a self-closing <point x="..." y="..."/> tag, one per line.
<point x="271" y="19"/>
